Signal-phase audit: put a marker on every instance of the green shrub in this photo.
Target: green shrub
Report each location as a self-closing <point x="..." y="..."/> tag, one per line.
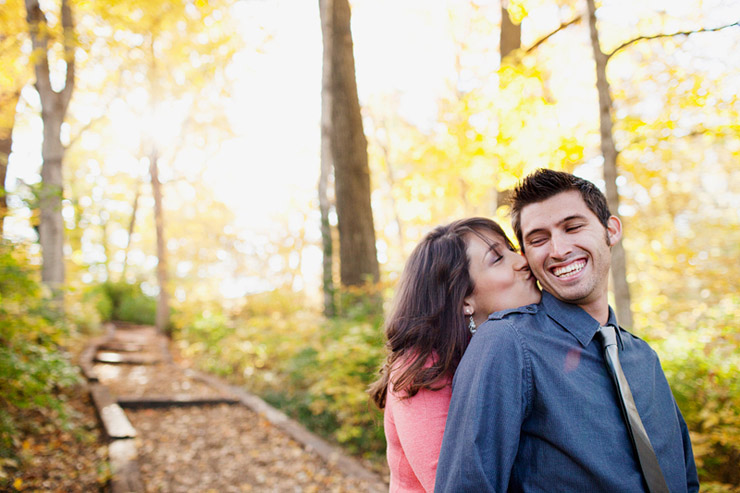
<point x="139" y="309"/>
<point x="98" y="297"/>
<point x="702" y="363"/>
<point x="347" y="362"/>
<point x="33" y="363"/>
<point x="123" y="302"/>
<point x="315" y="370"/>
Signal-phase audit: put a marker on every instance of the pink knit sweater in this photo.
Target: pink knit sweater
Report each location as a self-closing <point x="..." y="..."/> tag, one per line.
<point x="413" y="431"/>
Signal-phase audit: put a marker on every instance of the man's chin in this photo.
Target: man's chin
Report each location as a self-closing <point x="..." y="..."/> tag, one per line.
<point x="575" y="296"/>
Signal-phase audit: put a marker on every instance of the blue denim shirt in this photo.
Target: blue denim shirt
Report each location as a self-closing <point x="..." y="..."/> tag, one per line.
<point x="534" y="409"/>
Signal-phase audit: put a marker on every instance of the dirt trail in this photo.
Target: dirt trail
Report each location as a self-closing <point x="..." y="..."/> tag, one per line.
<point x="176" y="430"/>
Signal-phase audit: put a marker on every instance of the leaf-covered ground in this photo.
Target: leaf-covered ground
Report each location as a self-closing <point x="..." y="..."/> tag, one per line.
<point x="59" y="459"/>
<point x="218" y="448"/>
<point x="227" y="448"/>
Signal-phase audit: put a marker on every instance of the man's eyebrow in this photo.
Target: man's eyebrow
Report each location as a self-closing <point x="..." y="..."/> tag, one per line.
<point x="533" y="232"/>
<point x="572" y="217"/>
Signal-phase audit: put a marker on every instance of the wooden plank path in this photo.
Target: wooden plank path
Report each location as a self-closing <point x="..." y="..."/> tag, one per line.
<point x="171" y="429"/>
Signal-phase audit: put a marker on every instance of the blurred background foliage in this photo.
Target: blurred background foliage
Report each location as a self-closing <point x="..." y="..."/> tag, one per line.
<point x="450" y="127"/>
<point x="314" y="369"/>
<point x="37" y="370"/>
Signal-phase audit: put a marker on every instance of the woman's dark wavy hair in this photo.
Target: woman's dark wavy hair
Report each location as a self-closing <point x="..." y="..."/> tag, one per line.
<point x="427" y="316"/>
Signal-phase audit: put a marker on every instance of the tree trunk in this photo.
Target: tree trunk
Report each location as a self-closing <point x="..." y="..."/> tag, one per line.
<point x="163" y="302"/>
<point x="162" y="317"/>
<point x="8" y="103"/>
<point x="609" y="151"/>
<point x="330" y="308"/>
<point x="104" y="224"/>
<point x="511" y="34"/>
<point x="510" y="40"/>
<point x="357" y="252"/>
<point x="53" y="110"/>
<point x="391" y="184"/>
<point x="131" y="225"/>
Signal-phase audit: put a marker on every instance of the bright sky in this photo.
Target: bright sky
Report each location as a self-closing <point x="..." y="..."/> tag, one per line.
<point x="273" y="166"/>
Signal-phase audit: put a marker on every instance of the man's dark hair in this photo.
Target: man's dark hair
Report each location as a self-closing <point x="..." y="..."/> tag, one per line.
<point x="545" y="183"/>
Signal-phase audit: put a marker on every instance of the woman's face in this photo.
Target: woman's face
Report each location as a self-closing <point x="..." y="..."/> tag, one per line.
<point x="501" y="277"/>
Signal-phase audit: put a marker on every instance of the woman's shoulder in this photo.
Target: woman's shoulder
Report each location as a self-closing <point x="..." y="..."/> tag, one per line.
<point x="404" y="362"/>
<point x="409" y="358"/>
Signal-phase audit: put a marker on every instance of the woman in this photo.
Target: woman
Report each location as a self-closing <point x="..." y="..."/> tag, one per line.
<point x="456" y="277"/>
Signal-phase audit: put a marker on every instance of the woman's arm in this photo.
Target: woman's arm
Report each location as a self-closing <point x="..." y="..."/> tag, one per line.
<point x="420" y="424"/>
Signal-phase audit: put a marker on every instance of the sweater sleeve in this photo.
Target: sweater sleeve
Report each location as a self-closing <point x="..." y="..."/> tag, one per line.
<point x="420" y="423"/>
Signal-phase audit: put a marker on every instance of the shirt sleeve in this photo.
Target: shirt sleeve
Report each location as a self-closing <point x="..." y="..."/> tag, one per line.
<point x="692" y="478"/>
<point x="491" y="393"/>
<point x="420" y="423"/>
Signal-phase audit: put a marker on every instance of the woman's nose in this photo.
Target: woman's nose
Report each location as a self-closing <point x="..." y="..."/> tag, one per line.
<point x="520" y="263"/>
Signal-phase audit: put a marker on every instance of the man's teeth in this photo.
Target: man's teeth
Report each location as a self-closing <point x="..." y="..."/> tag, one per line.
<point x="569" y="269"/>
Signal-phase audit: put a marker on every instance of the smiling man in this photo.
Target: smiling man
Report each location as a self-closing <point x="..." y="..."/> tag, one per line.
<point x="535" y="406"/>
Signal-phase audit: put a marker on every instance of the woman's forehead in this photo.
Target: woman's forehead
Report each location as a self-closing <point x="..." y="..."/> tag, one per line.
<point x="490" y="238"/>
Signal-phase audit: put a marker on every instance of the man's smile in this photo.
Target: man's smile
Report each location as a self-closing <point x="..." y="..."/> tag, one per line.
<point x="569" y="270"/>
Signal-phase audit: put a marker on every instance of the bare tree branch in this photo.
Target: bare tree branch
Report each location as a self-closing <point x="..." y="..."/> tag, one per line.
<point x="69" y="52"/>
<point x="87" y="126"/>
<point x="553" y="33"/>
<point x="39" y="39"/>
<point x="669" y="35"/>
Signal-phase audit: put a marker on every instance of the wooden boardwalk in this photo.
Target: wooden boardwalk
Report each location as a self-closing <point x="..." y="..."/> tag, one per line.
<point x="172" y="429"/>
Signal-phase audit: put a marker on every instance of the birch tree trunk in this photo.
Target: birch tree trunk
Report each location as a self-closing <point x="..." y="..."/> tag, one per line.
<point x="357" y="252"/>
<point x="53" y="110"/>
<point x="327" y="244"/>
<point x="131" y="224"/>
<point x="162" y="317"/>
<point x="8" y="102"/>
<point x="163" y="302"/>
<point x="609" y="151"/>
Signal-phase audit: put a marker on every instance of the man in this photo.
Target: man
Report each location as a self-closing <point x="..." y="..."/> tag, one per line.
<point x="534" y="407"/>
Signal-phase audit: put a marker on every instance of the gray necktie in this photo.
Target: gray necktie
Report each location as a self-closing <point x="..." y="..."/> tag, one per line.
<point x="645" y="453"/>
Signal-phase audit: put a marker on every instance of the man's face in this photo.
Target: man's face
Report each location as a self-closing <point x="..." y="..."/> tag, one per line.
<point x="568" y="249"/>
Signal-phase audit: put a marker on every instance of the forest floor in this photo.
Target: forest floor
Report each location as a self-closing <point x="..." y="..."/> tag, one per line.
<point x="71" y="459"/>
<point x="191" y="434"/>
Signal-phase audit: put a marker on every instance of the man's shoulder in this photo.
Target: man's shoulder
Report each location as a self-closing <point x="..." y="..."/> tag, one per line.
<point x="500" y="341"/>
<point x="518" y="314"/>
<point x="633" y="341"/>
<point x="508" y="324"/>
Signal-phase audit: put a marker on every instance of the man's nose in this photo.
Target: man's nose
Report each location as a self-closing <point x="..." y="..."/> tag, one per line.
<point x="560" y="247"/>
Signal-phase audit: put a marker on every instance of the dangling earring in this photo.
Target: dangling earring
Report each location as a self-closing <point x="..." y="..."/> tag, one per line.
<point x="472" y="326"/>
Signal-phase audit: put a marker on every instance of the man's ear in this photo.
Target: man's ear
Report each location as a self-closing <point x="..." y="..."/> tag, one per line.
<point x="613" y="230"/>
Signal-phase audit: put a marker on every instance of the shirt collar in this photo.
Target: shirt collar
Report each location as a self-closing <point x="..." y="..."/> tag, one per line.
<point x="574" y="319"/>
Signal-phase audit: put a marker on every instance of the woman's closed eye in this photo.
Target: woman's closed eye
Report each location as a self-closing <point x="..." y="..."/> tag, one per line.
<point x="494" y="255"/>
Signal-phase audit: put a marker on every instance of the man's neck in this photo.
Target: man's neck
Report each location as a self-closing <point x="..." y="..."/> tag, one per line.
<point x="598" y="309"/>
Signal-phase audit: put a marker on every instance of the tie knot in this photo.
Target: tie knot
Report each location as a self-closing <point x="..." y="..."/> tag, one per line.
<point x="607" y="335"/>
